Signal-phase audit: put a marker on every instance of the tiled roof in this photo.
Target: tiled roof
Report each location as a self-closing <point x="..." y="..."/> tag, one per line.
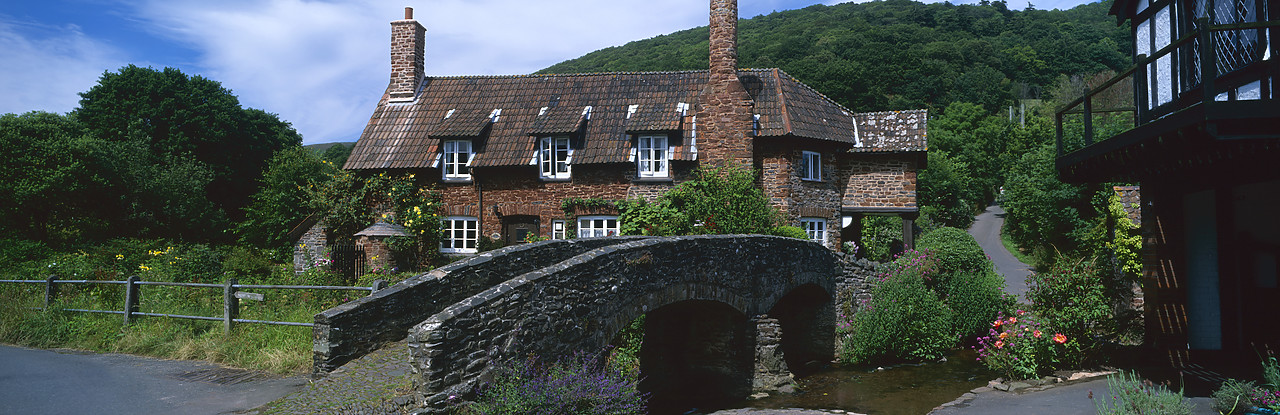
<point x="559" y="120"/>
<point x="655" y="118"/>
<point x="466" y="123"/>
<point x="893" y="131"/>
<point x="408" y="135"/>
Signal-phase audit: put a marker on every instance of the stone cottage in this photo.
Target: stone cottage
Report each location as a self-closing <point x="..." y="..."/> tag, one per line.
<point x="506" y="150"/>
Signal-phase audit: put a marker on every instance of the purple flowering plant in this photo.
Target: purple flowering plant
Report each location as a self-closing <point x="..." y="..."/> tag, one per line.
<point x="581" y="384"/>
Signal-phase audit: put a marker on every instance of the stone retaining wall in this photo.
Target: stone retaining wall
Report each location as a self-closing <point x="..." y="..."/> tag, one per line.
<point x="353" y="329"/>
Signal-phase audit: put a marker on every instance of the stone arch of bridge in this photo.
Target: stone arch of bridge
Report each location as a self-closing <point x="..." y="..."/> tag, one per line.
<point x="581" y="303"/>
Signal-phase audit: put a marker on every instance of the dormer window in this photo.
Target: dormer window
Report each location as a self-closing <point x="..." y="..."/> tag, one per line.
<point x="652" y="156"/>
<point x="811" y="166"/>
<point x="554" y="156"/>
<point x="457" y="160"/>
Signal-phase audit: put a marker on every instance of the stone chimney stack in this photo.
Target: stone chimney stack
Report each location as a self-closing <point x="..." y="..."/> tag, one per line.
<point x="408" y="58"/>
<point x="725" y="117"/>
<point x="724" y="40"/>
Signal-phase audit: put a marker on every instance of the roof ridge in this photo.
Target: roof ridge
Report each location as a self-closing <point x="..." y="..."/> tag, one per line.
<point x="566" y="74"/>
<point x="782" y="103"/>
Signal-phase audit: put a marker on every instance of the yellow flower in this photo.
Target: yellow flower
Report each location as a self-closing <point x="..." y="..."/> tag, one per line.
<point x="119" y="257"/>
<point x="144" y="268"/>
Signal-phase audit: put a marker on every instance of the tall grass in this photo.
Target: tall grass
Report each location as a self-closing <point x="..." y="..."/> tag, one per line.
<point x="278" y="349"/>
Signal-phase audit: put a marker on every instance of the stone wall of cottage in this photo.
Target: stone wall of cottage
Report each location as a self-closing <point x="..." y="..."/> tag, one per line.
<point x="505" y="191"/>
<point x="880" y="181"/>
<point x="798" y="198"/>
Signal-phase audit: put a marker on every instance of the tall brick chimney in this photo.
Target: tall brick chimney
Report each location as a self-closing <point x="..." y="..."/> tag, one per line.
<point x="725" y="117"/>
<point x="408" y="58"/>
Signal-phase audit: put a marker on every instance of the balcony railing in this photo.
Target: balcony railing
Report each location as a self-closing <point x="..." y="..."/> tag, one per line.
<point x="1209" y="64"/>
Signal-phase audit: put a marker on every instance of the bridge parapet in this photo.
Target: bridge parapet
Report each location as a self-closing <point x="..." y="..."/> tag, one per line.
<point x="581" y="303"/>
<point x="353" y="329"/>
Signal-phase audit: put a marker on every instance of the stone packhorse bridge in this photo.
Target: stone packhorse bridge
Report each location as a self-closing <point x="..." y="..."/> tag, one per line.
<point x="725" y="315"/>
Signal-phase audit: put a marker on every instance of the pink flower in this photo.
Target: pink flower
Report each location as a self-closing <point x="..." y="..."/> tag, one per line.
<point x="1059" y="338"/>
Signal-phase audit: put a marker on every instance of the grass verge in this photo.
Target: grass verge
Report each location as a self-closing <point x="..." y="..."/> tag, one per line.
<point x="1014" y="249"/>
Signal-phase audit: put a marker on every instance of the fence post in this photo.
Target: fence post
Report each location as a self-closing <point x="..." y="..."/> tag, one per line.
<point x="230" y="305"/>
<point x="50" y="291"/>
<point x="378" y="285"/>
<point x="130" y="298"/>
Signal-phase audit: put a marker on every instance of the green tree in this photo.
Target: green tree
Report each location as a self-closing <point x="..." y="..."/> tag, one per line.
<point x="947" y="197"/>
<point x="45" y="175"/>
<point x="285" y="188"/>
<point x="1045" y="214"/>
<point x="188" y="122"/>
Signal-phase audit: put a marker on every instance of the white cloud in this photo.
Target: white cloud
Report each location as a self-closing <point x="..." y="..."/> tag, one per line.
<point x="323" y="65"/>
<point x="45" y="67"/>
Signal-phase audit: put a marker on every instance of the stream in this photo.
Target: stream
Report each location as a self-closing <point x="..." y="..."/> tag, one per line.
<point x="898" y="390"/>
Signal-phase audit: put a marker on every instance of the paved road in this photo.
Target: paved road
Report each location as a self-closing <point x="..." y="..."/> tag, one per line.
<point x="1067" y="399"/>
<point x="986" y="229"/>
<point x="67" y="382"/>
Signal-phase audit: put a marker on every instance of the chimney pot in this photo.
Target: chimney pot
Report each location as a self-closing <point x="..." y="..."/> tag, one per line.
<point x="408" y="13"/>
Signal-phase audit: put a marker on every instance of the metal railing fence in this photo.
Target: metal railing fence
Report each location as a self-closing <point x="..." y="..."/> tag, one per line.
<point x="1196" y="69"/>
<point x="232" y="293"/>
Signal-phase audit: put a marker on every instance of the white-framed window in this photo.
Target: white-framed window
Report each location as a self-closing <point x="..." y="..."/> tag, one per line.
<point x="652" y="158"/>
<point x="554" y="157"/>
<point x="597" y="226"/>
<point x="811" y="166"/>
<point x="459" y="234"/>
<point x="816" y="228"/>
<point x="457" y="160"/>
<point x="557" y="229"/>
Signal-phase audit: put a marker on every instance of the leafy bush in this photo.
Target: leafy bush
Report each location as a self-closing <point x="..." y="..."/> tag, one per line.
<point x="657" y="218"/>
<point x="1019" y="347"/>
<point x="1132" y="395"/>
<point x="881" y="237"/>
<point x="790" y="232"/>
<point x="975" y="298"/>
<point x="723" y="200"/>
<point x="903" y="321"/>
<point x="1234" y="397"/>
<point x="579" y="385"/>
<point x="956" y="251"/>
<point x="1070" y="298"/>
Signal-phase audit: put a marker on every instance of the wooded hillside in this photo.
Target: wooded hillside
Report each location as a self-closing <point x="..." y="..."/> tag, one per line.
<point x="900" y="54"/>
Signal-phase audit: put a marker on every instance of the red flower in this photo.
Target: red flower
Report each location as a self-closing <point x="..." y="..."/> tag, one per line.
<point x="1036" y="333"/>
<point x="1059" y="338"/>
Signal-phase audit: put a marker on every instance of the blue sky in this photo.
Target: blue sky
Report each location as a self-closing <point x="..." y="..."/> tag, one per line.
<point x="320" y="64"/>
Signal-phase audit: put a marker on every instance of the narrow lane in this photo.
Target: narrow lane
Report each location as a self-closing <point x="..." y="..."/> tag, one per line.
<point x="36" y="381"/>
<point x="986" y="229"/>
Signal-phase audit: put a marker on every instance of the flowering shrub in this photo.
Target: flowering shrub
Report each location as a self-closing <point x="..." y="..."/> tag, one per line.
<point x="903" y="321"/>
<point x="1019" y="347"/>
<point x="1071" y="298"/>
<point x="578" y="385"/>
